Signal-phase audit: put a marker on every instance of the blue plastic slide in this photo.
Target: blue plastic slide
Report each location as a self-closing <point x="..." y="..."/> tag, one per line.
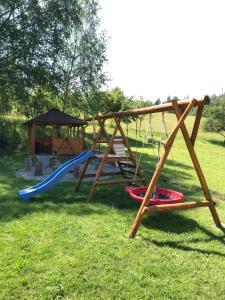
<point x="55" y="177"/>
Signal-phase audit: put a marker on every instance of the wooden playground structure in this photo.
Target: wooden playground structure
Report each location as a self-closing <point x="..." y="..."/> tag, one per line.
<point x="181" y="110"/>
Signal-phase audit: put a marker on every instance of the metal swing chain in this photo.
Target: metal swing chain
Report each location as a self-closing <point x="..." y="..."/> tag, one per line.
<point x="173" y="160"/>
<point x="139" y="131"/>
<point x="151" y="133"/>
<point x="140" y="155"/>
<point x="127" y="135"/>
<point x="136" y="135"/>
<point x="158" y="150"/>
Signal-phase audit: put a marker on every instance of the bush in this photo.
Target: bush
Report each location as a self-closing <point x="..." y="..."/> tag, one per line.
<point x="215" y="118"/>
<point x="13" y="136"/>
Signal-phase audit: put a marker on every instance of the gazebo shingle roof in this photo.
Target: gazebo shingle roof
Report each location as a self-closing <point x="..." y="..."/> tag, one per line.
<point x="55" y="116"/>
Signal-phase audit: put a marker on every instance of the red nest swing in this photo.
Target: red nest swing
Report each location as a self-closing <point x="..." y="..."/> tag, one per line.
<point x="160" y="196"/>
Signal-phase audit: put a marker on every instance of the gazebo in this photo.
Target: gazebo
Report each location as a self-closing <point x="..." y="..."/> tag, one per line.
<point x="65" y="133"/>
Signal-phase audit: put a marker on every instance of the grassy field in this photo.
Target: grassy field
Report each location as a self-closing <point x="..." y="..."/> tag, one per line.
<point x="61" y="247"/>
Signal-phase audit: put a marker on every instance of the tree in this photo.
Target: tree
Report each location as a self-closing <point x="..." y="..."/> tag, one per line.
<point x="52" y="45"/>
<point x="158" y="101"/>
<point x="168" y="99"/>
<point x="215" y="120"/>
<point x="113" y="100"/>
<point x="141" y="103"/>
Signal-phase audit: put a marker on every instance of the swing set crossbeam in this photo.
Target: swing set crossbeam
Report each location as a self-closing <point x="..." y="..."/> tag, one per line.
<point x="152" y="109"/>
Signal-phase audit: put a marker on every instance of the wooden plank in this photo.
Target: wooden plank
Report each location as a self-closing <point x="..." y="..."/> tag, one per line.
<point x="103" y="174"/>
<point x="68" y="146"/>
<point x="103" y="182"/>
<point x="156" y="175"/>
<point x="102" y="141"/>
<point x="112" y="157"/>
<point x="118" y="141"/>
<point x="153" y="109"/>
<point x="171" y="207"/>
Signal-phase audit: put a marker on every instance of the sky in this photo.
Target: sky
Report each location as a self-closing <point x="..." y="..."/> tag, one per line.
<point x="160" y="48"/>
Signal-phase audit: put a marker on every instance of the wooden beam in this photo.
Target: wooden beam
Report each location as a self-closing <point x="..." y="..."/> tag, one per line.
<point x="112" y="157"/>
<point x="198" y="169"/>
<point x="175" y="206"/>
<point x="103" y="174"/>
<point x="103" y="182"/>
<point x="153" y="109"/>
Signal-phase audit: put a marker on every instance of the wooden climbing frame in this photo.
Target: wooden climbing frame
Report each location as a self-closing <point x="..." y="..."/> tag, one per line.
<point x="182" y="110"/>
<point x="110" y="156"/>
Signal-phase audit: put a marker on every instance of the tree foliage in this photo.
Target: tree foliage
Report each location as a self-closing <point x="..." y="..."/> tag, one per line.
<point x="53" y="47"/>
<point x="215" y="117"/>
<point x="106" y="101"/>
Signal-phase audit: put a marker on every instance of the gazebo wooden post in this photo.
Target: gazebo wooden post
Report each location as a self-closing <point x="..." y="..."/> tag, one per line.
<point x="53" y="135"/>
<point x="31" y="138"/>
<point x="83" y="135"/>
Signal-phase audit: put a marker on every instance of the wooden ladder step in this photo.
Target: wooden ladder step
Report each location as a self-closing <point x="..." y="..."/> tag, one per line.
<point x="112" y="157"/>
<point x="103" y="174"/>
<point x="115" y="142"/>
<point x="102" y="141"/>
<point x="118" y="142"/>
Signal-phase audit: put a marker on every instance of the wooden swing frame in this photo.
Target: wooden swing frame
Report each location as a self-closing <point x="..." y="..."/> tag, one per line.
<point x="182" y="110"/>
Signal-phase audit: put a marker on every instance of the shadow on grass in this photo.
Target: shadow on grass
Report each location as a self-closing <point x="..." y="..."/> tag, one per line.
<point x="63" y="199"/>
<point x="178" y="224"/>
<point x="217" y="142"/>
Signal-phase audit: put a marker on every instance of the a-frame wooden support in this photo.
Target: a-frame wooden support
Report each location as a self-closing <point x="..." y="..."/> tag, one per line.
<point x="109" y="156"/>
<point x="145" y="208"/>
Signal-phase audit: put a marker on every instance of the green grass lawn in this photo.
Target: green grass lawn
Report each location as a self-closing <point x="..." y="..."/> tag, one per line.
<point x="58" y="246"/>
